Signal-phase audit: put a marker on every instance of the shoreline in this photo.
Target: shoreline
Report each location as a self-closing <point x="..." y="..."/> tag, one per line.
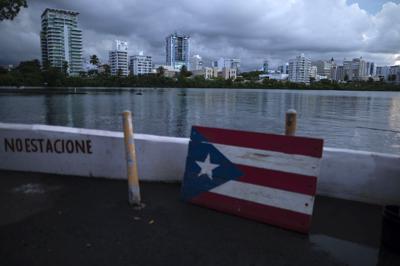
<point x="85" y="89"/>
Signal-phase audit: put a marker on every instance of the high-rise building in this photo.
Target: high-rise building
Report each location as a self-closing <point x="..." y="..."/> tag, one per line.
<point x="299" y="69"/>
<point x="196" y="62"/>
<point x="347" y="70"/>
<point x="140" y="64"/>
<point x="235" y="64"/>
<point x="283" y="69"/>
<point x="356" y="69"/>
<point x="394" y="74"/>
<point x="323" y="67"/>
<point x="177" y="51"/>
<point x="220" y="63"/>
<point x="265" y="66"/>
<point x="383" y="72"/>
<point x="334" y="69"/>
<point x="314" y="72"/>
<point x="359" y="67"/>
<point x="371" y="69"/>
<point x="61" y="40"/>
<point x="118" y="58"/>
<point x="339" y="73"/>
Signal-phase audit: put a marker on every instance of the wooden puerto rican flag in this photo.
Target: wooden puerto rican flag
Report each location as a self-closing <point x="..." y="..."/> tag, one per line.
<point x="265" y="177"/>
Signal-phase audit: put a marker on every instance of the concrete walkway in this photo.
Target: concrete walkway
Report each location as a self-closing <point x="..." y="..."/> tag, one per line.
<point x="66" y="220"/>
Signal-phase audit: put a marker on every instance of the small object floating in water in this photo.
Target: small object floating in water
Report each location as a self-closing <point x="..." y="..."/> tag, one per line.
<point x="139" y="93"/>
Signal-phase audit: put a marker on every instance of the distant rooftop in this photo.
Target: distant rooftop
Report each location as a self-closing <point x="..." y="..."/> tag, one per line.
<point x="60" y="11"/>
<point x="175" y="34"/>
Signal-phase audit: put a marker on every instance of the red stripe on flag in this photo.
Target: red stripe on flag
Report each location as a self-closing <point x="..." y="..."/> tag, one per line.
<point x="287" y="181"/>
<point x="279" y="143"/>
<point x="283" y="218"/>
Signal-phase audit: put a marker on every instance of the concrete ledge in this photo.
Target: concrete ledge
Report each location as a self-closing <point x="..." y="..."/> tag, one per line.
<point x="359" y="175"/>
<point x="347" y="174"/>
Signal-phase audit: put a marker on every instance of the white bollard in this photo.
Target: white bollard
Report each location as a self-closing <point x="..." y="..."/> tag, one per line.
<point x="291" y="122"/>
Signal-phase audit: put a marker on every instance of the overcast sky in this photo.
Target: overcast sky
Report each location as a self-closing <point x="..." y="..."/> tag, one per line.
<point x="250" y="30"/>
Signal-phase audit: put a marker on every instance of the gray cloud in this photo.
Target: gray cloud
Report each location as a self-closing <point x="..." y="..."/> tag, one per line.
<point x="252" y="31"/>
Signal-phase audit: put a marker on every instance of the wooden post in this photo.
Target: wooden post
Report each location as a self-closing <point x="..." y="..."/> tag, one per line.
<point x="131" y="163"/>
<point x="291" y="122"/>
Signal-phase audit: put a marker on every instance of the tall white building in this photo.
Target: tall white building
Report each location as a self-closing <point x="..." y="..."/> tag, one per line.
<point x="140" y="64"/>
<point x="196" y="62"/>
<point x="61" y="40"/>
<point x="299" y="69"/>
<point x="118" y="58"/>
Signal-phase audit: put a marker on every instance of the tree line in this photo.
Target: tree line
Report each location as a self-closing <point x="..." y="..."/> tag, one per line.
<point x="31" y="73"/>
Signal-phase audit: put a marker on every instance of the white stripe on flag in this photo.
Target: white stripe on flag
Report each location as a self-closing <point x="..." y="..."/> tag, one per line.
<point x="278" y="161"/>
<point x="267" y="196"/>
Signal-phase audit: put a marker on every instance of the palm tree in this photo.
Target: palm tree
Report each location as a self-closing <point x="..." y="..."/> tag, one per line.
<point x="160" y="71"/>
<point x="184" y="71"/>
<point x="65" y="67"/>
<point x="94" y="60"/>
<point x="10" y="8"/>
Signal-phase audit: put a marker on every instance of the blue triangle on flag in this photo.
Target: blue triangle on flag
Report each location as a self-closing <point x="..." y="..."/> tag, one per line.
<point x="195" y="183"/>
<point x="196" y="136"/>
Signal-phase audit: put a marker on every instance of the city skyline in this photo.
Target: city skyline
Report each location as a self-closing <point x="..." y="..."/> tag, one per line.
<point x="373" y="31"/>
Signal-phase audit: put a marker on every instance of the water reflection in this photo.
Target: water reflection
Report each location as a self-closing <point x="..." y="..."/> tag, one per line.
<point x="355" y="120"/>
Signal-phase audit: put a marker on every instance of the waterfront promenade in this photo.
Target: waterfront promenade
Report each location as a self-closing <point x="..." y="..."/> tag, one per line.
<point x="67" y="220"/>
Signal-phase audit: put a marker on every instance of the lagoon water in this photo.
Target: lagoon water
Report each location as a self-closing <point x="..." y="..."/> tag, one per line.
<point x="354" y="120"/>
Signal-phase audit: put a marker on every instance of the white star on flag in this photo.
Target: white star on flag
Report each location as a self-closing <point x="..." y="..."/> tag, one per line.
<point x="207" y="167"/>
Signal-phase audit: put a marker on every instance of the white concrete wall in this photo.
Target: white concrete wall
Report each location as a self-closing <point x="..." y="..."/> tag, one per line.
<point x="348" y="174"/>
<point x="360" y="175"/>
<point x="159" y="158"/>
